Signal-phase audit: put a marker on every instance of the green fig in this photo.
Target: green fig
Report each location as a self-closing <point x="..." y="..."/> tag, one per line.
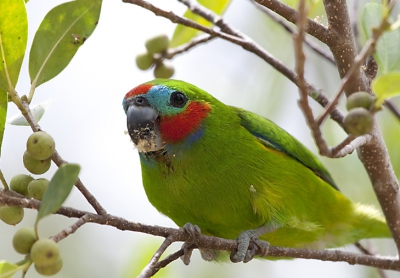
<point x="36" y="188"/>
<point x="35" y="166"/>
<point x="164" y="70"/>
<point x="157" y="44"/>
<point x="45" y="252"/>
<point x="23" y="240"/>
<point x="19" y="183"/>
<point x="360" y="99"/>
<point x="51" y="269"/>
<point x="40" y="145"/>
<point x="11" y="215"/>
<point x="358" y="121"/>
<point x="144" y="61"/>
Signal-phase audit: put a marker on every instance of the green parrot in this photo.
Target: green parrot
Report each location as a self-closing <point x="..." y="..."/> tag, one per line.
<point x="235" y="174"/>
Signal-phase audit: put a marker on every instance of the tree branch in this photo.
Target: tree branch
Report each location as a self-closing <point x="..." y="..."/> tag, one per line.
<point x="151" y="268"/>
<point x="313" y="28"/>
<point x="71" y="229"/>
<point x="202" y="241"/>
<point x="186" y="47"/>
<point x="290" y="30"/>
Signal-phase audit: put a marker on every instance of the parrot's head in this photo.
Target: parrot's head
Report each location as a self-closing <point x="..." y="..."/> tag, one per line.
<point x="165" y="112"/>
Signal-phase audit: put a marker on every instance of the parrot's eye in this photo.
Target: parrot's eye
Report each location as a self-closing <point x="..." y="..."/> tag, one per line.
<point x="178" y="99"/>
<point x="140" y="101"/>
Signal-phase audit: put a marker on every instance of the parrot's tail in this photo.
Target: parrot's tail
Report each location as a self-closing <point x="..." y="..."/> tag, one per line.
<point x="369" y="223"/>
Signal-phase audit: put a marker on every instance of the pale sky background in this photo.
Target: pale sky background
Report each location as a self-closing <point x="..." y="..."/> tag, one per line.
<point x="88" y="123"/>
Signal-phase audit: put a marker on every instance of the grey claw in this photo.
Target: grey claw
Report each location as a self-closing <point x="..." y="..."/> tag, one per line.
<point x="187" y="253"/>
<point x="208" y="254"/>
<point x="193" y="230"/>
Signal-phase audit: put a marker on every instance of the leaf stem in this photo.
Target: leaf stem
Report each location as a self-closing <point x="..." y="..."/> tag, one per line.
<point x="3" y="181"/>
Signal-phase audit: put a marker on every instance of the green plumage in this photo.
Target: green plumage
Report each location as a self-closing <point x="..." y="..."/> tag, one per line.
<point x="242" y="172"/>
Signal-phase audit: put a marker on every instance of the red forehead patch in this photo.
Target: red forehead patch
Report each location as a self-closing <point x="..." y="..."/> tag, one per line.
<point x="141" y="89"/>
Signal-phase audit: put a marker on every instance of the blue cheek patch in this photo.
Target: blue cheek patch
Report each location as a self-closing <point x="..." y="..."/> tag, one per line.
<point x="193" y="137"/>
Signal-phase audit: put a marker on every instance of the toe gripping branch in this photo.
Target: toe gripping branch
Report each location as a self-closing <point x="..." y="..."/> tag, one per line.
<point x="187" y="247"/>
<point x="248" y="244"/>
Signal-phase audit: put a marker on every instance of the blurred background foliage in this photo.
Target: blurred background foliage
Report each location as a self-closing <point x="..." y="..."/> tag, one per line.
<point x="87" y="121"/>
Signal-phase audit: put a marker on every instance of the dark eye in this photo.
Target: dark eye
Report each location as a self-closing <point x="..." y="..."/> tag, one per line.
<point x="140" y="101"/>
<point x="178" y="99"/>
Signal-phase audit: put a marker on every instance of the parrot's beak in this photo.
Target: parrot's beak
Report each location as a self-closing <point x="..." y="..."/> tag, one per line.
<point x="143" y="128"/>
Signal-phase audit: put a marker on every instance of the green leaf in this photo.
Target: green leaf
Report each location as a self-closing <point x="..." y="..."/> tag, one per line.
<point x="37" y="113"/>
<point x="387" y="53"/>
<point x="13" y="38"/>
<point x="184" y="34"/>
<point x="386" y="86"/>
<point x="3" y="113"/>
<point x="64" y="29"/>
<point x="58" y="189"/>
<point x="7" y="269"/>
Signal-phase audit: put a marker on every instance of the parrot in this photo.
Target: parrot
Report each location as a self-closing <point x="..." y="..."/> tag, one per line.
<point x="230" y="173"/>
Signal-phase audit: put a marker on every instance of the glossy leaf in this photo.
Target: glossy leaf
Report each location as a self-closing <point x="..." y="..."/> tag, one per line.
<point x="183" y="34"/>
<point x="386" y="86"/>
<point x="13" y="38"/>
<point x="37" y="113"/>
<point x="64" y="29"/>
<point x="387" y="53"/>
<point x="58" y="189"/>
<point x="7" y="269"/>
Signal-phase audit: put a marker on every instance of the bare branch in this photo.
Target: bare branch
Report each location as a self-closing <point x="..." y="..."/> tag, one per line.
<point x="186" y="47"/>
<point x="203" y="241"/>
<point x="71" y="229"/>
<point x="395" y="111"/>
<point x="313" y="28"/>
<point x="57" y="159"/>
<point x="151" y="268"/>
<point x="349" y="145"/>
<point x="290" y="30"/>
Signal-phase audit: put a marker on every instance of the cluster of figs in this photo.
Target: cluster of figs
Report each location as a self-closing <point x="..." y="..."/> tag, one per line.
<point x="156" y="47"/>
<point x="44" y="253"/>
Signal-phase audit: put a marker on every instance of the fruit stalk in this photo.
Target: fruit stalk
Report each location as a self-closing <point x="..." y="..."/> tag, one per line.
<point x="3" y="181"/>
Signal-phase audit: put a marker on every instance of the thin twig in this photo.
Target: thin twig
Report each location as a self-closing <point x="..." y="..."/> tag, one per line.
<point x="58" y="160"/>
<point x="151" y="269"/>
<point x="366" y="251"/>
<point x="348" y="146"/>
<point x="172" y="52"/>
<point x="313" y="28"/>
<point x="290" y="30"/>
<point x="392" y="108"/>
<point x="71" y="229"/>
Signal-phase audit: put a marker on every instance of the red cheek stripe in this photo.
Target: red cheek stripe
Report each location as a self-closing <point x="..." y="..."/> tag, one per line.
<point x="141" y="89"/>
<point x="176" y="128"/>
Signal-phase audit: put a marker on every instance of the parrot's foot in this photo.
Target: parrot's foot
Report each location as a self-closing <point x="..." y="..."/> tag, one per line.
<point x="208" y="254"/>
<point x="194" y="232"/>
<point x="248" y="243"/>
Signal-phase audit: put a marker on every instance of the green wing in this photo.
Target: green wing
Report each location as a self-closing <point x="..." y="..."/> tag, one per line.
<point x="272" y="136"/>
